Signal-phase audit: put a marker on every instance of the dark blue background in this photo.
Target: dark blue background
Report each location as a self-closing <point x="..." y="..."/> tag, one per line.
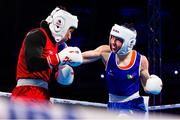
<point x="96" y="18"/>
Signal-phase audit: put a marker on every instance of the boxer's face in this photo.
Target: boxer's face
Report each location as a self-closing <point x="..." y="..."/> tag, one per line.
<point x="115" y="43"/>
<point x="68" y="34"/>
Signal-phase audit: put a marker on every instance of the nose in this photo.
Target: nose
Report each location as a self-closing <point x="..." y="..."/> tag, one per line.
<point x="69" y="36"/>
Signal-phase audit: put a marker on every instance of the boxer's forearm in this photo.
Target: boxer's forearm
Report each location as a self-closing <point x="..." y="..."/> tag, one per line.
<point x="90" y="56"/>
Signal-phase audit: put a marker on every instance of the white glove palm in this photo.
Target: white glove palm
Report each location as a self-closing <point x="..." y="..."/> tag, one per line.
<point x="154" y="85"/>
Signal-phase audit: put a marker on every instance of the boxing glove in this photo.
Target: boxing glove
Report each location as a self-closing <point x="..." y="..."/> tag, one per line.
<point x="154" y="85"/>
<point x="65" y="75"/>
<point x="69" y="55"/>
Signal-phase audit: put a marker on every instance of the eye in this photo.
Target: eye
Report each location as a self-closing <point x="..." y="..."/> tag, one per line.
<point x="71" y="30"/>
<point x="119" y="39"/>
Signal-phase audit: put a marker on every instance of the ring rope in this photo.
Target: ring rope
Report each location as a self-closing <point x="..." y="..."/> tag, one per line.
<point x="95" y="104"/>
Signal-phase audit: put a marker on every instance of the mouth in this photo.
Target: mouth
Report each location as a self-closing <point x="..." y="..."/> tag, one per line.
<point x="113" y="48"/>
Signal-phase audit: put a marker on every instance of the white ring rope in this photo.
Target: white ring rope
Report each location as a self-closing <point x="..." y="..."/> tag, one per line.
<point x="76" y="102"/>
<point x="163" y="107"/>
<point x="94" y="104"/>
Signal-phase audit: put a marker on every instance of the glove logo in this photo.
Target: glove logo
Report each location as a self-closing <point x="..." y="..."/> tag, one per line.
<point x="66" y="59"/>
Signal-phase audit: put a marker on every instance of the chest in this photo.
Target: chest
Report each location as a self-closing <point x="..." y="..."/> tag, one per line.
<point x="129" y="71"/>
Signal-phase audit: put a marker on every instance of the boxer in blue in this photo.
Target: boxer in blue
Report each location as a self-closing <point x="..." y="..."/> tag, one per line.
<point x="125" y="69"/>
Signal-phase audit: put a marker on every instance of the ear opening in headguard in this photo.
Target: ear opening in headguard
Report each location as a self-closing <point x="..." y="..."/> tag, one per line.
<point x="128" y="36"/>
<point x="59" y="22"/>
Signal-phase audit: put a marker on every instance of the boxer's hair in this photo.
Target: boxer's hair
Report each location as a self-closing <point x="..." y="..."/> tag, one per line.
<point x="62" y="7"/>
<point x="129" y="26"/>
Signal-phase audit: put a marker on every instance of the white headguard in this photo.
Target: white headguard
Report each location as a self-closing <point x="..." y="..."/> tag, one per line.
<point x="59" y="22"/>
<point x="128" y="36"/>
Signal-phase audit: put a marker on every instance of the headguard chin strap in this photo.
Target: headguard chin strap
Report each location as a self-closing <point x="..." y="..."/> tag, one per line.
<point x="128" y="36"/>
<point x="59" y="22"/>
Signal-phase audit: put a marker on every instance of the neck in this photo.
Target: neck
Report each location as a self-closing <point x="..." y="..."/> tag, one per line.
<point x="122" y="57"/>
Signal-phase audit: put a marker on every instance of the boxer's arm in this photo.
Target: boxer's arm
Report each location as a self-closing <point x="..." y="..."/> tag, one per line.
<point x="94" y="55"/>
<point x="144" y="71"/>
<point x="34" y="44"/>
<point x="152" y="84"/>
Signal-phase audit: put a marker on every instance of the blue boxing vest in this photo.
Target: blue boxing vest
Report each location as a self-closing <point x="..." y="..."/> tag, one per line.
<point x="123" y="82"/>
